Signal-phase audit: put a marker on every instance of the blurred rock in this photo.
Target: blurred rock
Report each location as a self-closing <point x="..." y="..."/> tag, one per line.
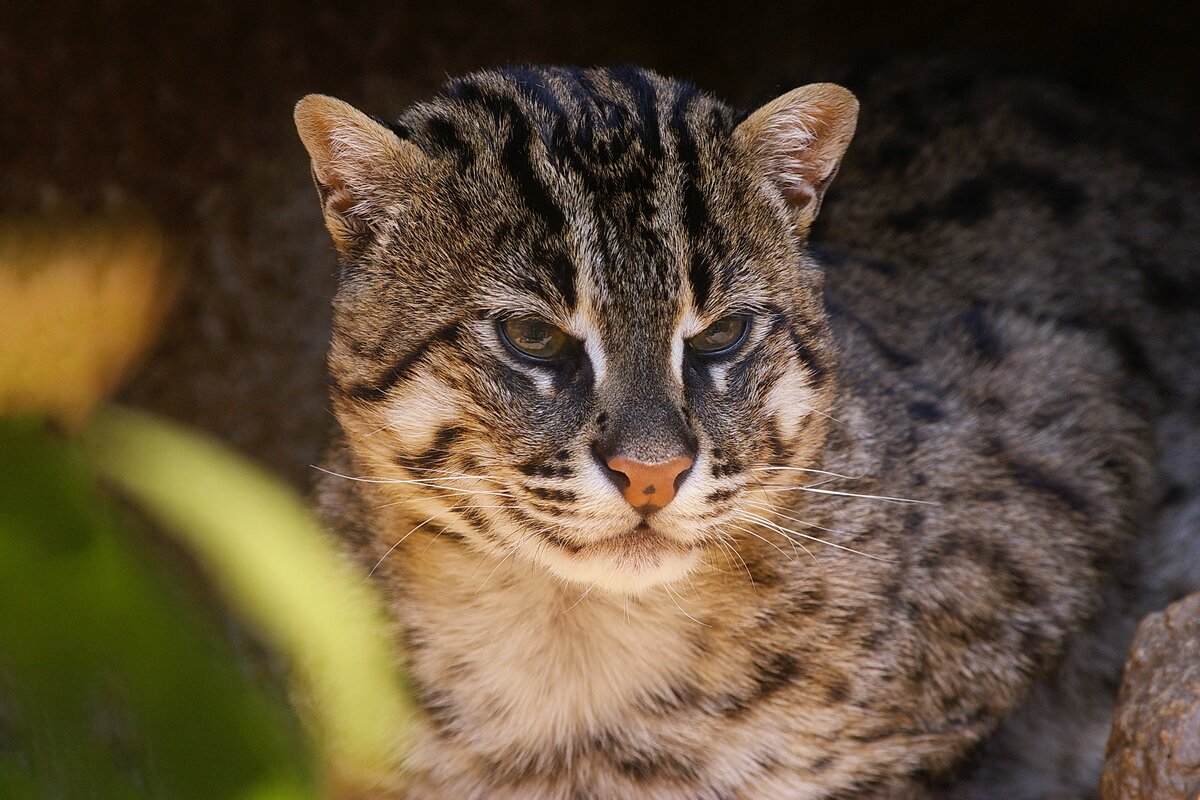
<point x="1153" y="752"/>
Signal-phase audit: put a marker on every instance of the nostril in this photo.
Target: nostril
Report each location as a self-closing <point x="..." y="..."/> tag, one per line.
<point x="681" y="477"/>
<point x="619" y="479"/>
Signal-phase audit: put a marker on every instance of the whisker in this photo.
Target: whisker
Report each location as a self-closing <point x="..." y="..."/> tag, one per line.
<point x="441" y="530"/>
<point x="770" y="507"/>
<point x="727" y="547"/>
<point x="805" y="469"/>
<point x="449" y="473"/>
<point x="413" y="499"/>
<point x="513" y="547"/>
<point x="820" y="412"/>
<point x="411" y="531"/>
<point x="764" y="539"/>
<point x="789" y="539"/>
<point x="711" y="564"/>
<point x="396" y="481"/>
<point x="788" y="532"/>
<point x="500" y="564"/>
<point x="853" y="494"/>
<point x="580" y="600"/>
<point x="671" y="594"/>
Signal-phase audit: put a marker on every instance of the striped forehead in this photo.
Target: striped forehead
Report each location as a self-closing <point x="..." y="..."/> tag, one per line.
<point x="608" y="175"/>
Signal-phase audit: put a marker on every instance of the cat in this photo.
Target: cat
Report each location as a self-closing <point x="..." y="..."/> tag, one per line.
<point x="677" y="490"/>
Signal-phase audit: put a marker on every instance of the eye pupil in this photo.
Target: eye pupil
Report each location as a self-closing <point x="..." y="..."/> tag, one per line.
<point x="723" y="335"/>
<point x="534" y="337"/>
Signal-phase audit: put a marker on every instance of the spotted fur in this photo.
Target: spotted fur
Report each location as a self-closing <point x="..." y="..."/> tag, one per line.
<point x="916" y="486"/>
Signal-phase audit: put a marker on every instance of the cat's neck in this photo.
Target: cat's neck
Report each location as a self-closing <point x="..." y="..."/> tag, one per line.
<point x="552" y="656"/>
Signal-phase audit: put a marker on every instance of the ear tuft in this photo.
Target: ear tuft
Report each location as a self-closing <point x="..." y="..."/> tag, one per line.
<point x="357" y="163"/>
<point x="800" y="138"/>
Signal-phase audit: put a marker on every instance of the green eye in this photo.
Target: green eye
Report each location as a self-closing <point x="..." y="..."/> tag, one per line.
<point x="535" y="338"/>
<point x="720" y="337"/>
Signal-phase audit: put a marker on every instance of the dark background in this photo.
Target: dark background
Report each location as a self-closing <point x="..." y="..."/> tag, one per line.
<point x="185" y="110"/>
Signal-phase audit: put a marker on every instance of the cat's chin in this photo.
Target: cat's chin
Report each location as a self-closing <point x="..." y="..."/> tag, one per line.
<point x="628" y="564"/>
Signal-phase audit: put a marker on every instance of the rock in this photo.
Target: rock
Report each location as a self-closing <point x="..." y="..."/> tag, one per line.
<point x="1153" y="752"/>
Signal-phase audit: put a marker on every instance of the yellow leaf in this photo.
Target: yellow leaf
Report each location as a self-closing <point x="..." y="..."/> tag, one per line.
<point x="80" y="300"/>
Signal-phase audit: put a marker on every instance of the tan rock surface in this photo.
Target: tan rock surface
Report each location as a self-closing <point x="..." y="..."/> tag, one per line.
<point x="1153" y="752"/>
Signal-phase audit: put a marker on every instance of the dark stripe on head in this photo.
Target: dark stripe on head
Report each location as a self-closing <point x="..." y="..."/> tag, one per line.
<point x="559" y="541"/>
<point x="545" y="469"/>
<point x="517" y="158"/>
<point x="773" y="672"/>
<point x="645" y="98"/>
<point x="1034" y="476"/>
<point x="473" y="517"/>
<point x="442" y="532"/>
<point x="983" y="337"/>
<point x="531" y="83"/>
<point x="516" y="154"/>
<point x="814" y="363"/>
<point x="374" y="392"/>
<point x="720" y="496"/>
<point x="562" y="273"/>
<point x="696" y="216"/>
<point x="445" y="137"/>
<point x="553" y="495"/>
<point x="800" y="345"/>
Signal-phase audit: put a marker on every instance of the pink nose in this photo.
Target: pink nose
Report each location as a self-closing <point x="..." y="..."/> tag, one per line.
<point x="649" y="487"/>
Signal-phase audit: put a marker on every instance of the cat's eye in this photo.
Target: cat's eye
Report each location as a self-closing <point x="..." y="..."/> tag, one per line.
<point x="534" y="337"/>
<point x="721" y="337"/>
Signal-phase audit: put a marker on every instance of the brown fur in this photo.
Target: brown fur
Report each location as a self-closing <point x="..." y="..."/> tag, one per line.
<point x="981" y="332"/>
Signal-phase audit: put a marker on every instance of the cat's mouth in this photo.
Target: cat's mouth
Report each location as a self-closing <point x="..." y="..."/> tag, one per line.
<point x="627" y="562"/>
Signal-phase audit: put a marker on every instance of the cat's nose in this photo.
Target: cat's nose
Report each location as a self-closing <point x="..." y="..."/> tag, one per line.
<point x="648" y="487"/>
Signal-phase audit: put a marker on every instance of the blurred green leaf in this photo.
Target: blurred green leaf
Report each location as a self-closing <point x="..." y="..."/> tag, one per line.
<point x="265" y="550"/>
<point x="110" y="686"/>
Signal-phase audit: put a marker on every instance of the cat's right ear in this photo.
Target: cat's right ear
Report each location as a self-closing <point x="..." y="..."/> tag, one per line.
<point x="358" y="165"/>
<point x="799" y="139"/>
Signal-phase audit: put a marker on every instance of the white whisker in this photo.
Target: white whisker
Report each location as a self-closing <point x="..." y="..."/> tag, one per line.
<point x="401" y="541"/>
<point x="804" y="469"/>
<point x="764" y="539"/>
<point x="461" y="493"/>
<point x="789" y="532"/>
<point x="429" y="483"/>
<point x="580" y="600"/>
<point x="671" y="594"/>
<point x="770" y="507"/>
<point x="727" y="547"/>
<point x="821" y="413"/>
<point x="851" y="494"/>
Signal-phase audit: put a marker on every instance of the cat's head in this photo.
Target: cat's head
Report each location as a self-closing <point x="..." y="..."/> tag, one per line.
<point x="575" y="310"/>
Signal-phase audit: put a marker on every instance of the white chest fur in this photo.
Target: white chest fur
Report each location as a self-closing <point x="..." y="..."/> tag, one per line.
<point x="528" y="663"/>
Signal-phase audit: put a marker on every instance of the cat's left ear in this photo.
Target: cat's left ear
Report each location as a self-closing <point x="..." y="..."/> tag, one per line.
<point x="360" y="166"/>
<point x="800" y="138"/>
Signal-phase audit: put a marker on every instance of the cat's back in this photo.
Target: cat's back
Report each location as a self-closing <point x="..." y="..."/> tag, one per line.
<point x="1014" y="271"/>
<point x="976" y="192"/>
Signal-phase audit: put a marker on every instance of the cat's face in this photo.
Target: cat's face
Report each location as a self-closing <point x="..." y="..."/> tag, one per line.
<point x="575" y="314"/>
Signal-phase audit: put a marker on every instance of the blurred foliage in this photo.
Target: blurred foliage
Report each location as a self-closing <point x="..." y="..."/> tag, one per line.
<point x="80" y="300"/>
<point x="116" y="679"/>
<point x="116" y="689"/>
<point x="274" y="562"/>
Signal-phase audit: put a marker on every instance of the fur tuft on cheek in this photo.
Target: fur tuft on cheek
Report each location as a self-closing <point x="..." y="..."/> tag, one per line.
<point x="420" y="409"/>
<point x="407" y="424"/>
<point x="790" y="401"/>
